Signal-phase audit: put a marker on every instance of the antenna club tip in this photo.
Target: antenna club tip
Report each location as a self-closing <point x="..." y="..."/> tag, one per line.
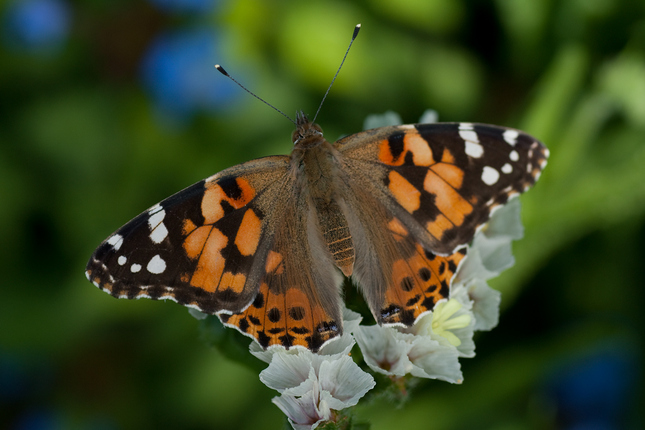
<point x="221" y="70"/>
<point x="356" y="30"/>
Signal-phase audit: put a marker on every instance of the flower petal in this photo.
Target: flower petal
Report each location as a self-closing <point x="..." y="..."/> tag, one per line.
<point x="286" y="371"/>
<point x="385" y="350"/>
<point x="301" y="411"/>
<point x="436" y="361"/>
<point x="345" y="381"/>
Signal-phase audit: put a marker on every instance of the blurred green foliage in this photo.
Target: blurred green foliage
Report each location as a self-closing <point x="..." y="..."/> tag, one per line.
<point x="82" y="151"/>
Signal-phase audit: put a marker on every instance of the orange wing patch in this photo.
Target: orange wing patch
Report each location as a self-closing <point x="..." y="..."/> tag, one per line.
<point x="395" y="226"/>
<point x="404" y="192"/>
<point x="450" y="203"/>
<point x="237" y="192"/>
<point x="274" y="263"/>
<point x="248" y="235"/>
<point x="394" y="151"/>
<point x="418" y="284"/>
<point x="206" y="244"/>
<point x="234" y="282"/>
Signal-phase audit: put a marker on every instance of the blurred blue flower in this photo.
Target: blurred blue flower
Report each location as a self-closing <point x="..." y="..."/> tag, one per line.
<point x="178" y="72"/>
<point x="190" y="6"/>
<point x="596" y="391"/>
<point x="36" y="25"/>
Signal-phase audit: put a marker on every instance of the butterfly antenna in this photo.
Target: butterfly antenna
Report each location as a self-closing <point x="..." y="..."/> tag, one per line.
<point x="356" y="30"/>
<point x="225" y="73"/>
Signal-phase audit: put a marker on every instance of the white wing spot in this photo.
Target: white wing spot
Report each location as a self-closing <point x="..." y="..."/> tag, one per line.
<point x="156" y="208"/>
<point x="116" y="241"/>
<point x="510" y="136"/>
<point x="156" y="218"/>
<point x="507" y="168"/>
<point x="159" y="233"/>
<point x="514" y="156"/>
<point x="465" y="126"/>
<point x="156" y="265"/>
<point x="135" y="268"/>
<point x="122" y="260"/>
<point x="475" y="150"/>
<point x="469" y="135"/>
<point x="87" y="275"/>
<point x="547" y="152"/>
<point x="489" y="175"/>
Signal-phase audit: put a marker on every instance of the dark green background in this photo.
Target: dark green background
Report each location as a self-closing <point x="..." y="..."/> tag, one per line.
<point x="81" y="152"/>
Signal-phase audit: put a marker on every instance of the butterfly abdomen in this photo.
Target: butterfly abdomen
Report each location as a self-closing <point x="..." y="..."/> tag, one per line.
<point x="337" y="236"/>
<point x="322" y="173"/>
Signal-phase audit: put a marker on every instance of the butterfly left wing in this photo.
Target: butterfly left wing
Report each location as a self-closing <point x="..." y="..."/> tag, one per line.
<point x="204" y="247"/>
<point x="237" y="245"/>
<point x="429" y="187"/>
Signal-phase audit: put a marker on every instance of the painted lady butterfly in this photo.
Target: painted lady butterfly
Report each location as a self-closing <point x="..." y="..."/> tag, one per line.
<point x="265" y="244"/>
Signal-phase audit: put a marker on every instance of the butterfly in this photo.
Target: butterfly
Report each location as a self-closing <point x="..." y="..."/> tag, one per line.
<point x="266" y="244"/>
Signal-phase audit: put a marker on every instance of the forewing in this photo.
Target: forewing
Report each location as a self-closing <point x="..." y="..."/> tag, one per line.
<point x="204" y="247"/>
<point x="443" y="180"/>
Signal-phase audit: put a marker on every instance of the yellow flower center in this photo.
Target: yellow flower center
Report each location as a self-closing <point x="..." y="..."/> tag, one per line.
<point x="443" y="322"/>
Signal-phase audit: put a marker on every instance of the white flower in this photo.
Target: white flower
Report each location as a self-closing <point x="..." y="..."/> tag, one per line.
<point x="336" y="385"/>
<point x="313" y="385"/>
<point x="385" y="350"/>
<point x="429" y="116"/>
<point x="491" y="250"/>
<point x="484" y="302"/>
<point x="383" y="120"/>
<point x="489" y="255"/>
<point x="433" y="360"/>
<point x="197" y="314"/>
<point x="393" y="118"/>
<point x="391" y="352"/>
<point x="451" y="324"/>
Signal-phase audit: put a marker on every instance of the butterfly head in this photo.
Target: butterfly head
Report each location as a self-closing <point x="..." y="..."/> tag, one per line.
<point x="307" y="134"/>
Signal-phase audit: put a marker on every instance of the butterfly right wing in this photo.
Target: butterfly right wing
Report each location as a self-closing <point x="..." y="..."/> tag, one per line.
<point x="400" y="277"/>
<point x="428" y="187"/>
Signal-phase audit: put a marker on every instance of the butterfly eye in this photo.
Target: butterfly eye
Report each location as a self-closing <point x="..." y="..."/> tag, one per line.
<point x="296" y="136"/>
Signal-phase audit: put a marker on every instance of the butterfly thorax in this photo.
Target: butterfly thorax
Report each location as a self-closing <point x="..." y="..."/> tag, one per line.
<point x="315" y="162"/>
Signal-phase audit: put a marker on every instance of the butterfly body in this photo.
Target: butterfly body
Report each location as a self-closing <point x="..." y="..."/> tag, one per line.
<point x="265" y="244"/>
